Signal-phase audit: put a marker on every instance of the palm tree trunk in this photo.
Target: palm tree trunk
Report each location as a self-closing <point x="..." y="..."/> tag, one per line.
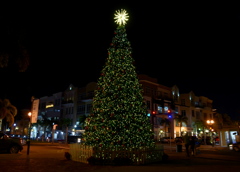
<point x="66" y="136"/>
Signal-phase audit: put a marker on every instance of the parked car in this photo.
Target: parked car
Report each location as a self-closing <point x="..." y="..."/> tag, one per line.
<point x="20" y="137"/>
<point x="10" y="145"/>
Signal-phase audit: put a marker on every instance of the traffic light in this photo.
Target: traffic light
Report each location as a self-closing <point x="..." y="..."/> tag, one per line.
<point x="169" y="113"/>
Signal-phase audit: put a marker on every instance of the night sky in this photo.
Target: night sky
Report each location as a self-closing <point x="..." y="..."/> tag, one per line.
<point x="194" y="46"/>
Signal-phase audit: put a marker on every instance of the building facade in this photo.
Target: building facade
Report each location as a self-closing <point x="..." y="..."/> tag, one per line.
<point x="163" y="105"/>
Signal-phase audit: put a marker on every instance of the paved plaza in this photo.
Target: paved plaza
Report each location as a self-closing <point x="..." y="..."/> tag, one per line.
<point x="50" y="158"/>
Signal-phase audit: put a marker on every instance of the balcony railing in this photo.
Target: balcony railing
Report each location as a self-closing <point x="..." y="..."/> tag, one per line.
<point x="67" y="101"/>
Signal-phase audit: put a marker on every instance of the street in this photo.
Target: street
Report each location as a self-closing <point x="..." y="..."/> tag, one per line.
<point x="50" y="157"/>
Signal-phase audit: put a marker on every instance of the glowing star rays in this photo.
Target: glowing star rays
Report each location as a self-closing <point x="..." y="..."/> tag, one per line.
<point x="121" y="17"/>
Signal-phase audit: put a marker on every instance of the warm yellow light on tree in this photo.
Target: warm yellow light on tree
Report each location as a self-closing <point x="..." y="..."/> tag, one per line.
<point x="121" y="17"/>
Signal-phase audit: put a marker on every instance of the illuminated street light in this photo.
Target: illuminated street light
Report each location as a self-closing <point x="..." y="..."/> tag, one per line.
<point x="14" y="128"/>
<point x="209" y="122"/>
<point x="161" y="132"/>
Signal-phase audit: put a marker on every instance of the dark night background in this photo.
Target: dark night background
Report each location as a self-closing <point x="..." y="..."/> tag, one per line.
<point x="194" y="46"/>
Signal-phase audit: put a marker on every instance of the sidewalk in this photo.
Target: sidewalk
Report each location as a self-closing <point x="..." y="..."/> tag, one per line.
<point x="171" y="151"/>
<point x="52" y="160"/>
<point x="173" y="148"/>
<point x="203" y="152"/>
<point x="59" y="144"/>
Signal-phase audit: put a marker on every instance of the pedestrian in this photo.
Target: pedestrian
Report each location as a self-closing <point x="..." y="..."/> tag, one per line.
<point x="193" y="140"/>
<point x="213" y="141"/>
<point x="186" y="141"/>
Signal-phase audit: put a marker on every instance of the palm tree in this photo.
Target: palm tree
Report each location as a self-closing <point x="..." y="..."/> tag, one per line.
<point x="165" y="122"/>
<point x="65" y="122"/>
<point x="198" y="124"/>
<point x="7" y="111"/>
<point x="14" y="54"/>
<point x="24" y="124"/>
<point x="45" y="123"/>
<point x="180" y="119"/>
<point x="82" y="120"/>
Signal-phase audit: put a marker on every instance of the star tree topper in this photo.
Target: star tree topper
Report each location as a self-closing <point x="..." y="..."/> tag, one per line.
<point x="121" y="17"/>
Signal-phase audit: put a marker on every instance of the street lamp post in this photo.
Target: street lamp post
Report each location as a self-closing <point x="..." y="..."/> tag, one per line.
<point x="209" y="122"/>
<point x="161" y="132"/>
<point x="14" y="128"/>
<point x="29" y="132"/>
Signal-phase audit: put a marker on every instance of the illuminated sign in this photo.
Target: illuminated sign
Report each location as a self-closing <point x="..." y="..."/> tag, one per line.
<point x="49" y="106"/>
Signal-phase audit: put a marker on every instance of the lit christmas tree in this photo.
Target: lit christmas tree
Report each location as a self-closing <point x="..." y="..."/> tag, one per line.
<point x="119" y="117"/>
